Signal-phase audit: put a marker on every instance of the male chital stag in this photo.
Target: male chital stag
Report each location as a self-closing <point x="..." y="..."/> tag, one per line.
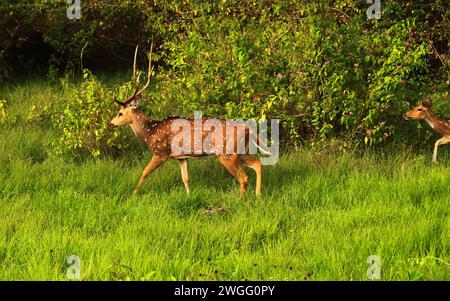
<point x="439" y="125"/>
<point x="159" y="135"/>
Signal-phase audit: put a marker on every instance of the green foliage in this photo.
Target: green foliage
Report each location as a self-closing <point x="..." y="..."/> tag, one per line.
<point x="2" y="111"/>
<point x="84" y="120"/>
<point x="366" y="74"/>
<point x="323" y="68"/>
<point x="323" y="76"/>
<point x="39" y="113"/>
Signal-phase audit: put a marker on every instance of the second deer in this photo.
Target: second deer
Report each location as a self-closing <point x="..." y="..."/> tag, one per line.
<point x="439" y="125"/>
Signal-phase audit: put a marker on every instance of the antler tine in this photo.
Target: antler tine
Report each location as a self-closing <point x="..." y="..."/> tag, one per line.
<point x="150" y="70"/>
<point x="134" y="66"/>
<point x="135" y="81"/>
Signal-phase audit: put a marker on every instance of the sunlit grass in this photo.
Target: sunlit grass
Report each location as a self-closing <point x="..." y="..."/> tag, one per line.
<point x="321" y="214"/>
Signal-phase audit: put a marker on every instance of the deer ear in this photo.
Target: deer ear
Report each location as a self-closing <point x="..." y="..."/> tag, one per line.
<point x="427" y="102"/>
<point x="136" y="103"/>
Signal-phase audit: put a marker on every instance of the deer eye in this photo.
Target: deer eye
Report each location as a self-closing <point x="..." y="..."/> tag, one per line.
<point x="420" y="109"/>
<point x="120" y="114"/>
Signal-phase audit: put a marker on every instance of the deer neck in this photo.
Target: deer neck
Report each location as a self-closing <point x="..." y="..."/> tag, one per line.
<point x="441" y="126"/>
<point x="141" y="125"/>
<point x="431" y="120"/>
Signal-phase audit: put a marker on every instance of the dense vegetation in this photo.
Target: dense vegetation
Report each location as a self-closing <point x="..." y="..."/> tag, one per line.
<point x="336" y="80"/>
<point x="322" y="67"/>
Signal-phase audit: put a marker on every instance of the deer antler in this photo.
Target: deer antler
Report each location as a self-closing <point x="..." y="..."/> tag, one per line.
<point x="149" y="72"/>
<point x="136" y="80"/>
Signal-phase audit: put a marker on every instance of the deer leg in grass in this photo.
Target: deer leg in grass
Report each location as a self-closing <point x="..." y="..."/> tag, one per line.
<point x="255" y="164"/>
<point x="231" y="163"/>
<point x="184" y="173"/>
<point x="154" y="164"/>
<point x="441" y="141"/>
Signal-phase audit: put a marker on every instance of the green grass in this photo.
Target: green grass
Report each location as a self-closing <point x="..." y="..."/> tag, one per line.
<point x="322" y="213"/>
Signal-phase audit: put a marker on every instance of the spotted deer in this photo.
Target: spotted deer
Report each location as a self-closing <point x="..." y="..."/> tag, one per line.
<point x="439" y="125"/>
<point x="159" y="137"/>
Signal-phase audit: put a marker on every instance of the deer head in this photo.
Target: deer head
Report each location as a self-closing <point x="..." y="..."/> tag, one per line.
<point x="130" y="106"/>
<point x="419" y="112"/>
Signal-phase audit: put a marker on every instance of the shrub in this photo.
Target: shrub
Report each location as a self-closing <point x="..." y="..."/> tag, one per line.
<point x="84" y="120"/>
<point x="328" y="75"/>
<point x="2" y="111"/>
<point x="321" y="67"/>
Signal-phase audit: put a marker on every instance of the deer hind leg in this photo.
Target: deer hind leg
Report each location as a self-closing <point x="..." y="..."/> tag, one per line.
<point x="154" y="164"/>
<point x="231" y="163"/>
<point x="184" y="173"/>
<point x="255" y="164"/>
<point x="441" y="141"/>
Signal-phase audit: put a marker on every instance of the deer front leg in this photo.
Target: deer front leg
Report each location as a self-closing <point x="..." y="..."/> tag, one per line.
<point x="184" y="173"/>
<point x="154" y="164"/>
<point x="441" y="141"/>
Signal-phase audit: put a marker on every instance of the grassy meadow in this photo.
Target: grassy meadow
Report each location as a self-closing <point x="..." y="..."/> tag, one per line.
<point x="322" y="213"/>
